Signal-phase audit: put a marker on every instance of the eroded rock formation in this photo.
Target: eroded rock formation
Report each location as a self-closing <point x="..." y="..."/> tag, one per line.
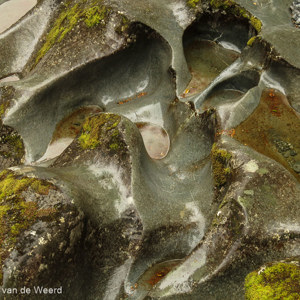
<point x="149" y="149"/>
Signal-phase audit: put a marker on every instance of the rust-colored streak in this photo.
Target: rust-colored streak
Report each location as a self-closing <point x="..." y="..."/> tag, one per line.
<point x="273" y="101"/>
<point x="158" y="276"/>
<point x="140" y="95"/>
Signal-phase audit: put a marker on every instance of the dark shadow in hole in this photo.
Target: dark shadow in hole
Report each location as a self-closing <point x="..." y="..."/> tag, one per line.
<point x="211" y="44"/>
<point x="241" y="82"/>
<point x="218" y="28"/>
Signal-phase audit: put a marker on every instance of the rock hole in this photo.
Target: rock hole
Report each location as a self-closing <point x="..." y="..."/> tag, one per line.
<point x="222" y="97"/>
<point x="206" y="60"/>
<point x="156" y="139"/>
<point x="211" y="44"/>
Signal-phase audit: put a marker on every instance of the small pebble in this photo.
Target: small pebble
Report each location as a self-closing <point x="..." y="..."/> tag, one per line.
<point x="296" y="166"/>
<point x="293" y="153"/>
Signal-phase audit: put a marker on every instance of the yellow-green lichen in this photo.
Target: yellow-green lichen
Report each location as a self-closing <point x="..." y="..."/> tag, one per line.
<point x="94" y="15"/>
<point x="251" y="41"/>
<point x="220" y="164"/>
<point x="17" y="214"/>
<point x="98" y="128"/>
<point x="193" y="3"/>
<point x="256" y="23"/>
<point x="86" y="11"/>
<point x="12" y="185"/>
<point x="278" y="281"/>
<point x="63" y="24"/>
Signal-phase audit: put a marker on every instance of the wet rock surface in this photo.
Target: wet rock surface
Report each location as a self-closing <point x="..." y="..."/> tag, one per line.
<point x="149" y="149"/>
<point x="41" y="232"/>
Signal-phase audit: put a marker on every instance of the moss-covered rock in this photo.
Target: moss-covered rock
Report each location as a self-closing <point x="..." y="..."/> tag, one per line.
<point x="40" y="235"/>
<point x="193" y="3"/>
<point x="220" y="163"/>
<point x="17" y="214"/>
<point x="96" y="128"/>
<point x="14" y="142"/>
<point x="91" y="13"/>
<point x="95" y="15"/>
<point x="104" y="139"/>
<point x="12" y="149"/>
<point x="276" y="281"/>
<point x="256" y="23"/>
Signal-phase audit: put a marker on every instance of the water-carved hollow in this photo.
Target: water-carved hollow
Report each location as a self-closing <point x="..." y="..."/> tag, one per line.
<point x="156" y="140"/>
<point x="124" y="83"/>
<point x="211" y="44"/>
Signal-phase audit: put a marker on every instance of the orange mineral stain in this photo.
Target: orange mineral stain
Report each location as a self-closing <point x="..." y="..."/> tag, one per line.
<point x="140" y="95"/>
<point x="158" y="276"/>
<point x="273" y="130"/>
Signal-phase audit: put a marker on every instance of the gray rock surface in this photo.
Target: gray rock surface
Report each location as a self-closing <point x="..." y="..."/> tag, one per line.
<point x="82" y="204"/>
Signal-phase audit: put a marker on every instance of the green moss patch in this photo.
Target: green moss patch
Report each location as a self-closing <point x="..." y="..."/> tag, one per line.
<point x="220" y="163"/>
<point x="192" y="3"/>
<point x="256" y="23"/>
<point x="91" y="13"/>
<point x="278" y="281"/>
<point x="17" y="214"/>
<point x="251" y="41"/>
<point x="94" y="15"/>
<point x="101" y="129"/>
